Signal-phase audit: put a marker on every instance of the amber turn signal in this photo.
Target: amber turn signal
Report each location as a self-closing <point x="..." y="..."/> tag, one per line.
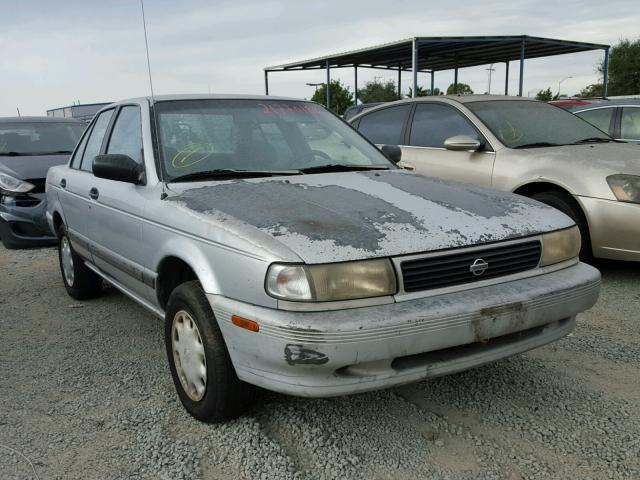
<point x="244" y="323"/>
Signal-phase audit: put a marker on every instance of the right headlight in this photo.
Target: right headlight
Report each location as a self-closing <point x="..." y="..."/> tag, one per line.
<point x="10" y="185"/>
<point x="331" y="281"/>
<point x="626" y="188"/>
<point x="560" y="246"/>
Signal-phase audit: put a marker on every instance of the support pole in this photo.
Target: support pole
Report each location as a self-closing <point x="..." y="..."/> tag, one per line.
<point x="605" y="78"/>
<point x="506" y="78"/>
<point x="414" y="66"/>
<point x="328" y="85"/>
<point x="455" y="80"/>
<point x="433" y="74"/>
<point x="521" y="68"/>
<point x="355" y="88"/>
<point x="399" y="81"/>
<point x="266" y="82"/>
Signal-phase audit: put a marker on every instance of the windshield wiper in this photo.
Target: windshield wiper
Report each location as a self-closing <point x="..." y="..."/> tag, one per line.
<point x="539" y="145"/>
<point x="342" y="168"/>
<point x="594" y="140"/>
<point x="15" y="154"/>
<point x="232" y="173"/>
<point x="55" y="152"/>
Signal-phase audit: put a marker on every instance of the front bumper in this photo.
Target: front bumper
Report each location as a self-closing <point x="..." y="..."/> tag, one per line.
<point x="614" y="228"/>
<point x="322" y="354"/>
<point x="25" y="226"/>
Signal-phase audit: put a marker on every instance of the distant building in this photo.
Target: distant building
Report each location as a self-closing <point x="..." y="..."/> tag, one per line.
<point x="81" y="111"/>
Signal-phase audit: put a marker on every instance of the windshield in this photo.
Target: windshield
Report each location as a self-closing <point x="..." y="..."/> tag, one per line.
<point x="39" y="138"/>
<point x="520" y="123"/>
<point x="257" y="135"/>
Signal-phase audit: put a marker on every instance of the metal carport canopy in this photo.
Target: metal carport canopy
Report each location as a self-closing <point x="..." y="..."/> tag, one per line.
<point x="433" y="54"/>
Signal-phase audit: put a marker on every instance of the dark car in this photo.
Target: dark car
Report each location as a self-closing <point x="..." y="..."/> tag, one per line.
<point x="28" y="147"/>
<point x="619" y="117"/>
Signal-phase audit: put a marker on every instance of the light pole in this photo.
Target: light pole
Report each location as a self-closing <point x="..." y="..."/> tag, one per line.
<point x="490" y="70"/>
<point x="560" y="83"/>
<point x="315" y="85"/>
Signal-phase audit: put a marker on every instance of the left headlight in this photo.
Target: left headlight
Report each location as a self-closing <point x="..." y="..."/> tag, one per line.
<point x="10" y="185"/>
<point x="560" y="246"/>
<point x="626" y="188"/>
<point x="332" y="281"/>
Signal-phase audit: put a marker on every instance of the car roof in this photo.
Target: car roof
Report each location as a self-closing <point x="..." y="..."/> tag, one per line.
<point x="204" y="96"/>
<point x="575" y="104"/>
<point x="463" y="99"/>
<point x="39" y="120"/>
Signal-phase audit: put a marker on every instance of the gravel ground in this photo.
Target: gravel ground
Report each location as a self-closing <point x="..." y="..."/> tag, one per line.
<point x="85" y="392"/>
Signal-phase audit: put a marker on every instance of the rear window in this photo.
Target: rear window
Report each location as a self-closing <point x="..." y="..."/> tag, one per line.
<point x="39" y="138"/>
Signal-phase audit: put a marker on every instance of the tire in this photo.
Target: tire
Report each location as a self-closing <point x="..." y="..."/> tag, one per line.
<point x="567" y="205"/>
<point x="219" y="395"/>
<point x="80" y="282"/>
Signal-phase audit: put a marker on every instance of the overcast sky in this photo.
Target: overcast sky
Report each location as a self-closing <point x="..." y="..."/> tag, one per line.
<point x="54" y="53"/>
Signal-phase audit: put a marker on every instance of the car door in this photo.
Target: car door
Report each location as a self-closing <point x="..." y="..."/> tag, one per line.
<point x="601" y="117"/>
<point x="430" y="125"/>
<point x="630" y="124"/>
<point x="115" y="226"/>
<point x="75" y="184"/>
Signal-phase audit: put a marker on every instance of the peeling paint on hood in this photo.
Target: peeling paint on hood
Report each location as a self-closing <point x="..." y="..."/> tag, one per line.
<point x="335" y="217"/>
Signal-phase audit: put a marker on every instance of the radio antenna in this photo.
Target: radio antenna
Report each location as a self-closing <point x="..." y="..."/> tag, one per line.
<point x="146" y="44"/>
<point x="163" y="195"/>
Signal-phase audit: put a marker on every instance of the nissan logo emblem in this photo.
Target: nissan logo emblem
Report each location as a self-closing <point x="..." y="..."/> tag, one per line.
<point x="478" y="267"/>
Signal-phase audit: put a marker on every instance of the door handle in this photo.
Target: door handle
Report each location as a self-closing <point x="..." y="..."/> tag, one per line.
<point x="63" y="183"/>
<point x="406" y="166"/>
<point x="93" y="193"/>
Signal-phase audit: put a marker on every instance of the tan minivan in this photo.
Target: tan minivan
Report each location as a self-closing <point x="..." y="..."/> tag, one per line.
<point x="523" y="146"/>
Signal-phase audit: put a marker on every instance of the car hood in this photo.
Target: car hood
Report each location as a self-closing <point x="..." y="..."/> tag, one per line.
<point x="30" y="167"/>
<point x="604" y="158"/>
<point x="336" y="217"/>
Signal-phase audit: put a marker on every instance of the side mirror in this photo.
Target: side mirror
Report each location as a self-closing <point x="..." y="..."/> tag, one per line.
<point x="121" y="168"/>
<point x="462" y="143"/>
<point x="392" y="152"/>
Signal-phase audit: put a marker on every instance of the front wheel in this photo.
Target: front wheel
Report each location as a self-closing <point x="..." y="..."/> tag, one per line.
<point x="202" y="372"/>
<point x="80" y="282"/>
<point x="567" y="205"/>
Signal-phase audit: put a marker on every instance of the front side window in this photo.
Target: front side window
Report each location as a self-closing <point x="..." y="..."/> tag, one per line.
<point x="630" y="123"/>
<point x="433" y="124"/>
<point x="39" y="138"/>
<point x="204" y="135"/>
<point x="126" y="137"/>
<point x="94" y="142"/>
<point x="385" y="126"/>
<point x="599" y="118"/>
<point x="525" y="123"/>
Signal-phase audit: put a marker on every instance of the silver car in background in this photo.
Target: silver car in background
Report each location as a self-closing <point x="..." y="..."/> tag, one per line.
<point x="527" y="147"/>
<point x="284" y="250"/>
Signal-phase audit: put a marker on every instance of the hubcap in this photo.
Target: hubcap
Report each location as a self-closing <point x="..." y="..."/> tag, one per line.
<point x="67" y="261"/>
<point x="188" y="355"/>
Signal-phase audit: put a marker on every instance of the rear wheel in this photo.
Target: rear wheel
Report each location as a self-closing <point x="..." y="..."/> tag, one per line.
<point x="567" y="205"/>
<point x="80" y="282"/>
<point x="201" y="368"/>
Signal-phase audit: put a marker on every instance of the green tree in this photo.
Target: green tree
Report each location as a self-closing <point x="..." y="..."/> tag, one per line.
<point x="461" y="89"/>
<point x="545" y="95"/>
<point x="423" y="92"/>
<point x="593" y="90"/>
<point x="624" y="68"/>
<point x="341" y="97"/>
<point x="378" y="91"/>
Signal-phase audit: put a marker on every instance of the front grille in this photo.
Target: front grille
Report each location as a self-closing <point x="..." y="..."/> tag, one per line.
<point x="454" y="268"/>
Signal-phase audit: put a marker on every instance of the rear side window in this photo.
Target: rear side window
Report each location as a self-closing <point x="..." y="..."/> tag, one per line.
<point x="433" y="124"/>
<point x="630" y="123"/>
<point x="599" y="118"/>
<point x="385" y="126"/>
<point x="126" y="137"/>
<point x="94" y="143"/>
<point x="77" y="157"/>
